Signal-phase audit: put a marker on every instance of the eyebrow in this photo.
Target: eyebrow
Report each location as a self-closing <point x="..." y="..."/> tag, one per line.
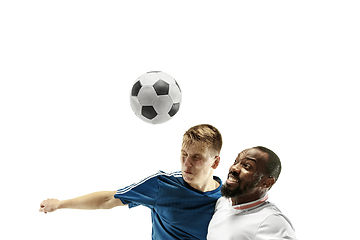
<point x="252" y="159"/>
<point x="195" y="154"/>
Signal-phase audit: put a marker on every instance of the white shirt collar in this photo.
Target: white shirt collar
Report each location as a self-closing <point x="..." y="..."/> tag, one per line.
<point x="249" y="205"/>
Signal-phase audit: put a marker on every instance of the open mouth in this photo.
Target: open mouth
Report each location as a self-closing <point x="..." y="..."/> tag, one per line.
<point x="233" y="179"/>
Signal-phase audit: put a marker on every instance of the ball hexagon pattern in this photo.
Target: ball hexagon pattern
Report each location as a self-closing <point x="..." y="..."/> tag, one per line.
<point x="155" y="97"/>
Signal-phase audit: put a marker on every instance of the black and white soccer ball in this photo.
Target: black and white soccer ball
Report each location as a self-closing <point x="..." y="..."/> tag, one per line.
<point x="155" y="97"/>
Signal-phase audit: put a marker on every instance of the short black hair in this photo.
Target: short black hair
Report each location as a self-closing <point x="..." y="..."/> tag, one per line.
<point x="273" y="165"/>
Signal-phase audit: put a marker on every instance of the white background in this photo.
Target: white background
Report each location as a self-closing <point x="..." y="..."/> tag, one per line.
<point x="281" y="74"/>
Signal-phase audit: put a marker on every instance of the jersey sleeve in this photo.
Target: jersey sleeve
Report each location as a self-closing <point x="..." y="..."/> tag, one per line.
<point x="275" y="227"/>
<point x="143" y="193"/>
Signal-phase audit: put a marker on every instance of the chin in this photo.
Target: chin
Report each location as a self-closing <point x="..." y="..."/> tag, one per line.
<point x="188" y="178"/>
<point x="230" y="192"/>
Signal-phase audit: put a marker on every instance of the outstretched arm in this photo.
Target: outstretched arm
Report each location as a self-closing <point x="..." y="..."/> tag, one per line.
<point x="97" y="200"/>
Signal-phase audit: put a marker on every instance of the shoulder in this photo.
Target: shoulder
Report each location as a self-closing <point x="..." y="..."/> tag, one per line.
<point x="277" y="224"/>
<point x="221" y="203"/>
<point x="151" y="180"/>
<point x="162" y="174"/>
<point x="277" y="221"/>
<point x="169" y="175"/>
<point x="222" y="200"/>
<point x="170" y="178"/>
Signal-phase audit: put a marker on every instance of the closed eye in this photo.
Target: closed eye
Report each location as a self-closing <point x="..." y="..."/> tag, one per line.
<point x="184" y="154"/>
<point x="247" y="166"/>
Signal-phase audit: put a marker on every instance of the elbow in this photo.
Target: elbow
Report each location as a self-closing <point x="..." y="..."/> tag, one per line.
<point x="107" y="203"/>
<point x="111" y="202"/>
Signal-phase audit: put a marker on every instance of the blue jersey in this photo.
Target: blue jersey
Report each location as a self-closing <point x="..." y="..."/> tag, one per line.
<point x="178" y="211"/>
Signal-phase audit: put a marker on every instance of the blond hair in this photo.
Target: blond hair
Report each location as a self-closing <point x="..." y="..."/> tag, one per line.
<point x="204" y="133"/>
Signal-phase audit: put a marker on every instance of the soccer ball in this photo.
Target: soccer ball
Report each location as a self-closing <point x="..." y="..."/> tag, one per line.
<point x="155" y="97"/>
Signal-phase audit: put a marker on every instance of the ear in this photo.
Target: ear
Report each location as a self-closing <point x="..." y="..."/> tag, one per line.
<point x="269" y="182"/>
<point x="216" y="162"/>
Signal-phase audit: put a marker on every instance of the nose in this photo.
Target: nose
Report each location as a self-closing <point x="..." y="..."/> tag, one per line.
<point x="187" y="162"/>
<point x="235" y="168"/>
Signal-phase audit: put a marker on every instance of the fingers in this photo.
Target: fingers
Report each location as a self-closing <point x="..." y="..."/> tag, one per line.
<point x="45" y="205"/>
<point x="42" y="210"/>
<point x="42" y="207"/>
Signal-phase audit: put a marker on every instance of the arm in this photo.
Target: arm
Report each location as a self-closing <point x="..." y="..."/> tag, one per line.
<point x="97" y="200"/>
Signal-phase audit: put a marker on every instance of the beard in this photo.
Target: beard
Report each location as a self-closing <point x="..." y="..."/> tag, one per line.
<point x="230" y="193"/>
<point x="227" y="192"/>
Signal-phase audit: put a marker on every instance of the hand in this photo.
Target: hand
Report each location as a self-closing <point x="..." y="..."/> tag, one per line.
<point x="49" y="205"/>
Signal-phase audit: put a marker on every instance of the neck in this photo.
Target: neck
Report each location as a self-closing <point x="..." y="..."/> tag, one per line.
<point x="242" y="199"/>
<point x="207" y="186"/>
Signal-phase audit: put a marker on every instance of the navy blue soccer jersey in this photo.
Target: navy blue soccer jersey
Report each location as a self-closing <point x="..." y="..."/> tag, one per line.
<point x="178" y="211"/>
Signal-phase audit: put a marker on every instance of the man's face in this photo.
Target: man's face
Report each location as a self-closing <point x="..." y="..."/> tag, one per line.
<point x="197" y="163"/>
<point x="245" y="174"/>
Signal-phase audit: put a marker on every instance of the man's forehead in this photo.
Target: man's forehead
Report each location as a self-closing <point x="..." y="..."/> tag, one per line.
<point x="195" y="146"/>
<point x="251" y="153"/>
<point x="244" y="153"/>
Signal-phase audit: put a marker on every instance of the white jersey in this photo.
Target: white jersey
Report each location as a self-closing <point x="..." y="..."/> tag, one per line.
<point x="255" y="220"/>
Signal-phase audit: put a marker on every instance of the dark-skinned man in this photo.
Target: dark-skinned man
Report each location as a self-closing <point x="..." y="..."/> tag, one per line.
<point x="243" y="211"/>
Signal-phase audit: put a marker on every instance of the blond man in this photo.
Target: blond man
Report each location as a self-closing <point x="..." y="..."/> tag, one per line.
<point x="182" y="203"/>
